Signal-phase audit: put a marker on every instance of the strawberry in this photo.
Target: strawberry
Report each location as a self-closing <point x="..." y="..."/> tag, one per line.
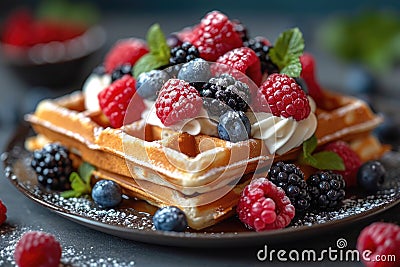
<point x="214" y="36"/>
<point x="177" y="100"/>
<point x="125" y="51"/>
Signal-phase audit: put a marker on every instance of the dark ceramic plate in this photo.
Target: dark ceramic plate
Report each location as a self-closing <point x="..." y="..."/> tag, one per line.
<point x="132" y="219"/>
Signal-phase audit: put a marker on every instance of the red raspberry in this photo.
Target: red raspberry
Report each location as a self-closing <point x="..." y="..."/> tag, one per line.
<point x="3" y="212"/>
<point x="308" y="74"/>
<point x="377" y="242"/>
<point x="281" y="95"/>
<point x="125" y="51"/>
<point x="176" y="101"/>
<point x="264" y="206"/>
<point x="37" y="249"/>
<point x="245" y="60"/>
<point x="351" y="160"/>
<point x="114" y="102"/>
<point x="215" y="36"/>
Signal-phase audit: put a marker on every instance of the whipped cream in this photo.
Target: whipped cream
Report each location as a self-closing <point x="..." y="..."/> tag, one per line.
<point x="93" y="85"/>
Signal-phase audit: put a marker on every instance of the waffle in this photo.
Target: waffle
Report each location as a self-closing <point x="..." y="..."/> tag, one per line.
<point x="202" y="175"/>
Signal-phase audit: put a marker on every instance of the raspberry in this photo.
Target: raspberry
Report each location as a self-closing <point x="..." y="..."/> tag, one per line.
<point x="351" y="160"/>
<point x="215" y="36"/>
<point x="264" y="206"/>
<point x="126" y="51"/>
<point x="37" y="249"/>
<point x="3" y="212"/>
<point x="281" y="95"/>
<point x="114" y="102"/>
<point x="381" y="239"/>
<point x="177" y="100"/>
<point x="308" y="74"/>
<point x="245" y="60"/>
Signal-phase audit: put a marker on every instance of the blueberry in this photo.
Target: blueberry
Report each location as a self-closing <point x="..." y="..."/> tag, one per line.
<point x="388" y="131"/>
<point x="170" y="219"/>
<point x="371" y="175"/>
<point x="106" y="193"/>
<point x="234" y="126"/>
<point x="149" y="83"/>
<point x="197" y="70"/>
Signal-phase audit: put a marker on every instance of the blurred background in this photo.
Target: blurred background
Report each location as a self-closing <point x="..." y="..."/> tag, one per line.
<point x="356" y="43"/>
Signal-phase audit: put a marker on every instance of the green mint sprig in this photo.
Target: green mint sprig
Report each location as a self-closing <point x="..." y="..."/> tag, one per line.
<point x="286" y="52"/>
<point x="324" y="160"/>
<point x="159" y="52"/>
<point x="80" y="181"/>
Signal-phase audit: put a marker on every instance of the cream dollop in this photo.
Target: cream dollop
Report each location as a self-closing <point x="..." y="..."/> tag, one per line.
<point x="93" y="85"/>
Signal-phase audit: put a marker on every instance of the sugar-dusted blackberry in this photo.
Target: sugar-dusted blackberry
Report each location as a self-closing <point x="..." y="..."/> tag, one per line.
<point x="326" y="190"/>
<point x="52" y="166"/>
<point x="183" y="53"/>
<point x="241" y="29"/>
<point x="291" y="179"/>
<point x="261" y="47"/>
<point x="120" y="71"/>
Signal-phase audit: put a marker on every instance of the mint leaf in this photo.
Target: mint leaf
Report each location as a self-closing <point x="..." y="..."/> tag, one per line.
<point x="80" y="182"/>
<point x="310" y="145"/>
<point x="157" y="43"/>
<point x="328" y="160"/>
<point x="287" y="49"/>
<point x="85" y="171"/>
<point x="147" y="63"/>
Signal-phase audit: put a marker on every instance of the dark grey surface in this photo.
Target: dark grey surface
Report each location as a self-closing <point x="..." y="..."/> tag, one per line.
<point x="91" y="246"/>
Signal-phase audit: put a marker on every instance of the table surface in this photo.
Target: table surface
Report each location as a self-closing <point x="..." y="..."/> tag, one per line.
<point x="86" y="247"/>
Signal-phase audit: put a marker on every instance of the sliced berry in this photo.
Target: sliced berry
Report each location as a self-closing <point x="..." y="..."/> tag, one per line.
<point x="215" y="36"/>
<point x="176" y="101"/>
<point x="125" y="51"/>
<point x="281" y="95"/>
<point x="351" y="160"/>
<point x="148" y="84"/>
<point x="3" y="213"/>
<point x="380" y="239"/>
<point x="120" y="71"/>
<point x="291" y="179"/>
<point x="37" y="248"/>
<point x="106" y="193"/>
<point x="234" y="126"/>
<point x="183" y="53"/>
<point x="53" y="166"/>
<point x="170" y="218"/>
<point x="261" y="47"/>
<point x="371" y="175"/>
<point x="264" y="206"/>
<point x="114" y="102"/>
<point x="197" y="70"/>
<point x="245" y="60"/>
<point x="326" y="190"/>
<point x="308" y="73"/>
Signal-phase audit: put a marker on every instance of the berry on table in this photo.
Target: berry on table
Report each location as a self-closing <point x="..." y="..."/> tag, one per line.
<point x="3" y="213"/>
<point x="177" y="100"/>
<point x="170" y="218"/>
<point x="183" y="53"/>
<point x="234" y="126"/>
<point x="326" y="190"/>
<point x="281" y="95"/>
<point x="197" y="70"/>
<point x="52" y="166"/>
<point x="371" y="175"/>
<point x="37" y="248"/>
<point x="106" y="193"/>
<point x="244" y="60"/>
<point x="291" y="179"/>
<point x="114" y="102"/>
<point x="264" y="206"/>
<point x="350" y="158"/>
<point x="214" y="36"/>
<point x="380" y="239"/>
<point x="148" y="84"/>
<point x="125" y="51"/>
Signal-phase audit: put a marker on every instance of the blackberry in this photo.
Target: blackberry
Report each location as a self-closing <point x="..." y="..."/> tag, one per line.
<point x="173" y="40"/>
<point x="326" y="190"/>
<point x="52" y="166"/>
<point x="120" y="71"/>
<point x="291" y="179"/>
<point x="183" y="53"/>
<point x="261" y="49"/>
<point x="241" y="29"/>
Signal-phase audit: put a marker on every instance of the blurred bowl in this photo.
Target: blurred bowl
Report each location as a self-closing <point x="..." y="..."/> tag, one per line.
<point x="55" y="64"/>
